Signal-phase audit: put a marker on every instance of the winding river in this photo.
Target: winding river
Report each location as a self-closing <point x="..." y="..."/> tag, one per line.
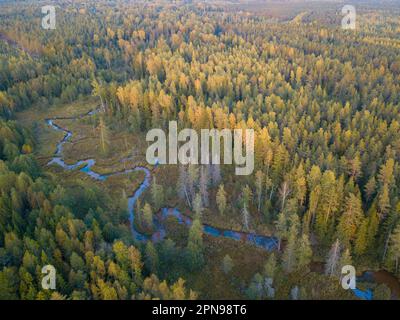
<point x="85" y="166"/>
<point x="265" y="242"/>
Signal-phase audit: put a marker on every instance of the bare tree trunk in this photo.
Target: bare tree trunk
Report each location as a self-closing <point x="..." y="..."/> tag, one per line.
<point x="386" y="245"/>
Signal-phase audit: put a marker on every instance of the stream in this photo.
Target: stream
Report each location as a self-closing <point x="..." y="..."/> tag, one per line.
<point x="265" y="242"/>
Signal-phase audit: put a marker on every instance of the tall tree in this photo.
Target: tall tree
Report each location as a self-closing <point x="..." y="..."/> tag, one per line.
<point x="157" y="193"/>
<point x="290" y="255"/>
<point x="304" y="253"/>
<point x="333" y="260"/>
<point x="351" y="219"/>
<point x="195" y="258"/>
<point x="393" y="257"/>
<point x="148" y="215"/>
<point x="259" y="188"/>
<point x="221" y="199"/>
<point x="151" y="257"/>
<point x="227" y="264"/>
<point x="245" y="217"/>
<point x="104" y="136"/>
<point x="203" y="185"/>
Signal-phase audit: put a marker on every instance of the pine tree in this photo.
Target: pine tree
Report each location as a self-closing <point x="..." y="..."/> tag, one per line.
<point x="300" y="185"/>
<point x="393" y="258"/>
<point x="373" y="225"/>
<point x="227" y="264"/>
<point x="355" y="167"/>
<point x="194" y="248"/>
<point x="270" y="266"/>
<point x="370" y="188"/>
<point x="328" y="204"/>
<point x="384" y="200"/>
<point x="8" y="284"/>
<point x="135" y="263"/>
<point x="148" y="215"/>
<point x="361" y="243"/>
<point x="104" y="140"/>
<point x="304" y="253"/>
<point x="151" y="257"/>
<point x="345" y="259"/>
<point x="281" y="228"/>
<point x="290" y="255"/>
<point x="98" y="91"/>
<point x="197" y="205"/>
<point x="157" y="193"/>
<point x="386" y="173"/>
<point x="350" y="219"/>
<point x="221" y="199"/>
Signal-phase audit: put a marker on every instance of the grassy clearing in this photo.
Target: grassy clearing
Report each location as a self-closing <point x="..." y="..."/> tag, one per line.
<point x="124" y="149"/>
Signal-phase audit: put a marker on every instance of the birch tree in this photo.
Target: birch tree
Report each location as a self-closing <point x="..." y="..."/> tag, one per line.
<point x="333" y="260"/>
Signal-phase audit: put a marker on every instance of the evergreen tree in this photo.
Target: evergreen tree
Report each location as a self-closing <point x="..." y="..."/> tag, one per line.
<point x="221" y="199"/>
<point x="281" y="228"/>
<point x="259" y="188"/>
<point x="104" y="139"/>
<point x="393" y="258"/>
<point x="194" y="248"/>
<point x="227" y="264"/>
<point x="151" y="257"/>
<point x="245" y="217"/>
<point x="360" y="244"/>
<point x="197" y="205"/>
<point x="148" y="215"/>
<point x="290" y="255"/>
<point x="304" y="253"/>
<point x="350" y="219"/>
<point x="157" y="193"/>
<point x="270" y="266"/>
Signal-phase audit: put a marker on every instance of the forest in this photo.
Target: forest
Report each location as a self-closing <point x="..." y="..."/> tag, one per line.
<point x="324" y="104"/>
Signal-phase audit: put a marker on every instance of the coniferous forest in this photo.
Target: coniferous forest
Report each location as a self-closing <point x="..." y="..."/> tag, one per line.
<point x="77" y="193"/>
